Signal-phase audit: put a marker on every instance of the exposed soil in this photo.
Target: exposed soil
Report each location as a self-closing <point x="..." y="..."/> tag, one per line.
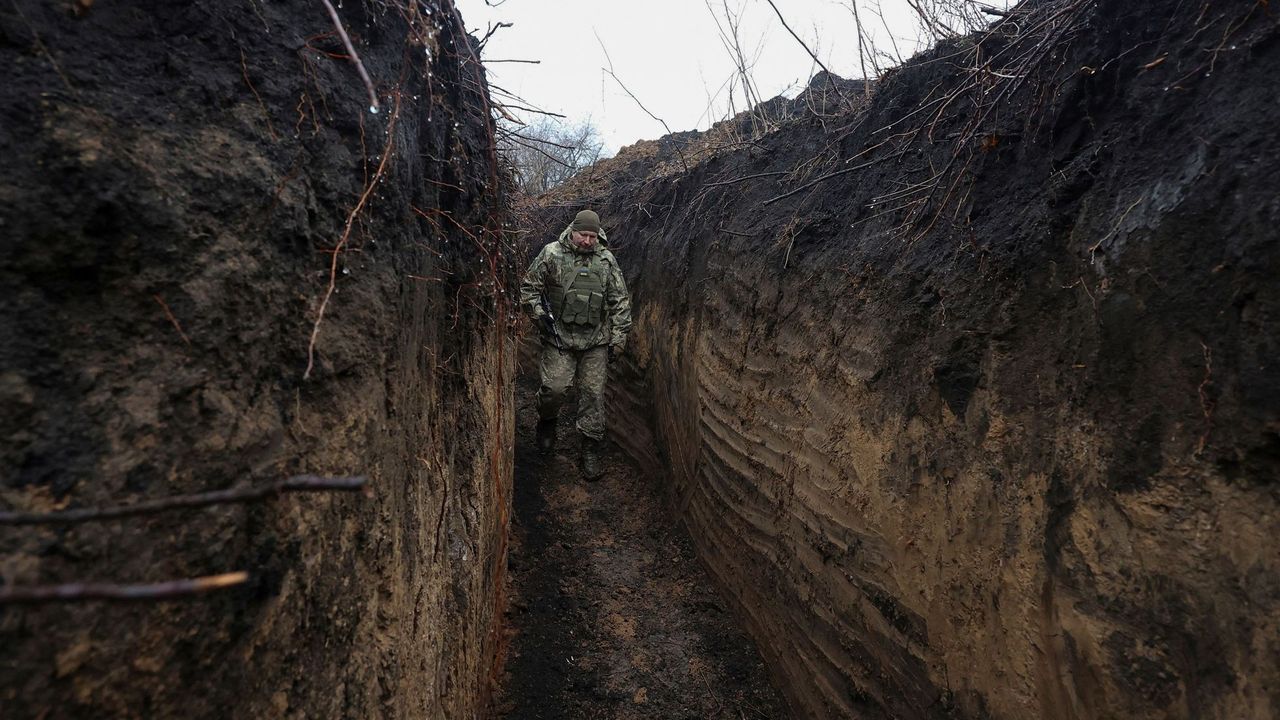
<point x="985" y="423"/>
<point x="1000" y="445"/>
<point x="611" y="612"/>
<point x="176" y="176"/>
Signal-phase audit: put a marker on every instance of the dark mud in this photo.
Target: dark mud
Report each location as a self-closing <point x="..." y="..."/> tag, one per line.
<point x="611" y="613"/>
<point x="176" y="176"/>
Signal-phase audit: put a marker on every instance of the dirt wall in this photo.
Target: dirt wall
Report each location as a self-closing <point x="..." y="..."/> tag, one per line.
<point x="177" y="176"/>
<point x="986" y="425"/>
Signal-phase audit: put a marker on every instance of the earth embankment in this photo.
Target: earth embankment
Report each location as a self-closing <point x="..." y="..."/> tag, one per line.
<point x="968" y="397"/>
<point x="186" y="186"/>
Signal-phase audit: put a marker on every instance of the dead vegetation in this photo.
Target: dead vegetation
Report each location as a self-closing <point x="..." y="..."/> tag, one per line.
<point x="251" y="493"/>
<point x="168" y="590"/>
<point x="1004" y="57"/>
<point x="546" y="152"/>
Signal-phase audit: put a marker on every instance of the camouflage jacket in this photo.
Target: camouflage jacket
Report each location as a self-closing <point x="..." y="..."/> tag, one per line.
<point x="585" y="292"/>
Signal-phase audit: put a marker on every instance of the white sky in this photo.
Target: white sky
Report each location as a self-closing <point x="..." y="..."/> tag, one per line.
<point x="668" y="52"/>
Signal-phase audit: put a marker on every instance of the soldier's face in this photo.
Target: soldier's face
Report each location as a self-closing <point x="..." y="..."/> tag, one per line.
<point x="584" y="240"/>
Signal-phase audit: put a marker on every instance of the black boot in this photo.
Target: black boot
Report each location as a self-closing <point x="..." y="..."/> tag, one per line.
<point x="592" y="459"/>
<point x="546" y="434"/>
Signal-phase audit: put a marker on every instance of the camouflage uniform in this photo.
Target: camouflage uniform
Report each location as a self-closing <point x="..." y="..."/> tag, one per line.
<point x="588" y="299"/>
<point x="557" y="368"/>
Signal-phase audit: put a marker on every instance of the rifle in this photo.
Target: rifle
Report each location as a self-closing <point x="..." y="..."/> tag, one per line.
<point x="549" y="320"/>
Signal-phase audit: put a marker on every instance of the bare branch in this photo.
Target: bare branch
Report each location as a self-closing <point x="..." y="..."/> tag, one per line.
<point x="633" y="97"/>
<point x="539" y="140"/>
<point x="865" y="50"/>
<point x="521" y="108"/>
<point x="828" y="176"/>
<point x="625" y="88"/>
<point x="541" y="152"/>
<point x="893" y="41"/>
<point x="492" y="29"/>
<point x="730" y="39"/>
<point x="931" y="21"/>
<point x="548" y="152"/>
<point x="172" y="320"/>
<point x="831" y="77"/>
<point x="355" y="58"/>
<point x="745" y="178"/>
<point x="81" y="592"/>
<point x="387" y="153"/>
<point x="300" y="483"/>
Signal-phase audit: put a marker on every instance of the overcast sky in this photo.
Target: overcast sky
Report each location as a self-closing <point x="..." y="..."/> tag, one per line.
<point x="667" y="52"/>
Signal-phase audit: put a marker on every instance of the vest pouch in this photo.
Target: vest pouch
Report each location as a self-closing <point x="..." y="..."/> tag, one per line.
<point x="577" y="308"/>
<point x="584" y="298"/>
<point x="596" y="309"/>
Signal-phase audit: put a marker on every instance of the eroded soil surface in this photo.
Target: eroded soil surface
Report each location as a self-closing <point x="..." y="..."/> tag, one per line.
<point x="611" y="614"/>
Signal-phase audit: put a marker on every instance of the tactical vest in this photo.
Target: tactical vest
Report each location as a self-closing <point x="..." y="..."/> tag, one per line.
<point x="578" y="299"/>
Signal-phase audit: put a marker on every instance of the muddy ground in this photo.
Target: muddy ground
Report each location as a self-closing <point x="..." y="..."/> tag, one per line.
<point x="611" y="613"/>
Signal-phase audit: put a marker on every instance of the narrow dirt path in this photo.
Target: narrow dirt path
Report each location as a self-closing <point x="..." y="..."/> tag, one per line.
<point x="612" y="615"/>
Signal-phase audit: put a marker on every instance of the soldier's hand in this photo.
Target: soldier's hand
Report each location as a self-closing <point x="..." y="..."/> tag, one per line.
<point x="615" y="352"/>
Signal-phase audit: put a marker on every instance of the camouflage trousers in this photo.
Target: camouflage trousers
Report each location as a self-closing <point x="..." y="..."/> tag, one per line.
<point x="557" y="369"/>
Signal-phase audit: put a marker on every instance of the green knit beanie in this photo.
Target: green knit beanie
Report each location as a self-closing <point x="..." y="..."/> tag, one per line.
<point x="586" y="221"/>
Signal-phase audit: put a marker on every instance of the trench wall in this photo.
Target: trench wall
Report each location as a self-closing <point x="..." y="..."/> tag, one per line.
<point x="1019" y="461"/>
<point x="176" y="178"/>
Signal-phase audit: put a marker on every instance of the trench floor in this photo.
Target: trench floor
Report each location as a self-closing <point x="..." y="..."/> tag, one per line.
<point x="611" y="614"/>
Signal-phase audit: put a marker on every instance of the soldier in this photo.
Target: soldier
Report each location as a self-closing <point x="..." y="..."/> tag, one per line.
<point x="575" y="292"/>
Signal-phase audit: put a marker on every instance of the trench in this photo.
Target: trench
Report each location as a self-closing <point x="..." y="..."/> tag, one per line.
<point x="881" y="449"/>
<point x="611" y="614"/>
<point x="1001" y="452"/>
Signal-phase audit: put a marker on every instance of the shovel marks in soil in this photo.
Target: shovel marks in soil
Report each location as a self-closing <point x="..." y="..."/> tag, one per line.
<point x="611" y="614"/>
